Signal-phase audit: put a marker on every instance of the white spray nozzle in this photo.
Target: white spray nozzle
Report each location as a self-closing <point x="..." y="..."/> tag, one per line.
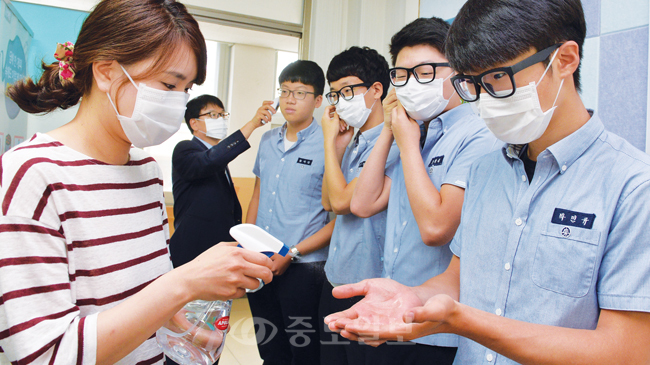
<point x="254" y="238"/>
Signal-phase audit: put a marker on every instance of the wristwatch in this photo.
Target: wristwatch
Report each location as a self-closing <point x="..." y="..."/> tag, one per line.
<point x="294" y="253"/>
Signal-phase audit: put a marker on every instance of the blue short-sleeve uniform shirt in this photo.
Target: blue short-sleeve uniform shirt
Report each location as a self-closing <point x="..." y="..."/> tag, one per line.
<point x="290" y="205"/>
<point x="356" y="247"/>
<point x="453" y="142"/>
<point x="556" y="250"/>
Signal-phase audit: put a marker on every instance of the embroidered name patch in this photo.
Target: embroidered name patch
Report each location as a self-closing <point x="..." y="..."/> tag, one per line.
<point x="304" y="161"/>
<point x="361" y="164"/>
<point x="574" y="219"/>
<point x="436" y="161"/>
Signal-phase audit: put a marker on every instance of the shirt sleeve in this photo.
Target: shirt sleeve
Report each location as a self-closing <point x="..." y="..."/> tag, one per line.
<point x="624" y="275"/>
<point x="39" y="321"/>
<point x="473" y="147"/>
<point x="457" y="242"/>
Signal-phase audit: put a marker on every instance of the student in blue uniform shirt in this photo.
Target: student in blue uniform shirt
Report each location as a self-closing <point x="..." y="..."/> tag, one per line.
<point x="286" y="203"/>
<point x="205" y="202"/>
<point x="551" y="257"/>
<point x="358" y="79"/>
<point x="438" y="139"/>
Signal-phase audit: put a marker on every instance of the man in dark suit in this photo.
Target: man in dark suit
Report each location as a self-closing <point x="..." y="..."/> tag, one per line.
<point x="205" y="202"/>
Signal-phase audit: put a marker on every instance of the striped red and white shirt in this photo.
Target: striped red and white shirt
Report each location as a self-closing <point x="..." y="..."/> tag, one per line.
<point x="77" y="236"/>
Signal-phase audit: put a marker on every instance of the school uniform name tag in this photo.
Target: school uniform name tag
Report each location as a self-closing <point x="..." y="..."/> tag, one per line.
<point x="436" y="161"/>
<point x="573" y="219"/>
<point x="304" y="161"/>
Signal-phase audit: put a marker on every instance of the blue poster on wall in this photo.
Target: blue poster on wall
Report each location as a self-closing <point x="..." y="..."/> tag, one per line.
<point x="14" y="68"/>
<point x="15" y="38"/>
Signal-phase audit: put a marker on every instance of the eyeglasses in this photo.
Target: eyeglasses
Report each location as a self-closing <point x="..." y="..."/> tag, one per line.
<point x="424" y="73"/>
<point x="498" y="82"/>
<point x="346" y="92"/>
<point x="214" y="115"/>
<point x="297" y="94"/>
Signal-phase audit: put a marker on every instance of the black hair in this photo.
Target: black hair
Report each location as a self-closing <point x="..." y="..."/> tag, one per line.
<point x="427" y="31"/>
<point x="364" y="63"/>
<point x="197" y="104"/>
<point x="490" y="32"/>
<point x="306" y="72"/>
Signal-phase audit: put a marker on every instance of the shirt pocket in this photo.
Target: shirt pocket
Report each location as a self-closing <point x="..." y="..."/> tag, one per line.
<point x="565" y="260"/>
<point x="306" y="183"/>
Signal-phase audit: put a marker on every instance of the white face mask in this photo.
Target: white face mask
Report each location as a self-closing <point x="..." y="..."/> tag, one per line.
<point x="423" y="101"/>
<point x="354" y="112"/>
<point x="157" y="115"/>
<point x="216" y="128"/>
<point x="517" y="119"/>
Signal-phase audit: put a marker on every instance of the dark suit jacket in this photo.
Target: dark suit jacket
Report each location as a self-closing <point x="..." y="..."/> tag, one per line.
<point x="205" y="202"/>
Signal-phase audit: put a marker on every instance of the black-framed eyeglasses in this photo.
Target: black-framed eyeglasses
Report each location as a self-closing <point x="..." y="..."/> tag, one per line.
<point x="346" y="92"/>
<point x="214" y="115"/>
<point x="498" y="82"/>
<point x="297" y="94"/>
<point x="423" y="73"/>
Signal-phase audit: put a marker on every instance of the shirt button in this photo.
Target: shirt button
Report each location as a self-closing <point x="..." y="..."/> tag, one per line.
<point x="498" y="311"/>
<point x="334" y="248"/>
<point x="267" y="228"/>
<point x="395" y="250"/>
<point x="563" y="167"/>
<point x="282" y="159"/>
<point x="351" y="170"/>
<point x="273" y="193"/>
<point x="507" y="266"/>
<point x="277" y="176"/>
<point x="270" y="210"/>
<point x="404" y="223"/>
<point x="489" y="357"/>
<point x="523" y="177"/>
<point x="518" y="221"/>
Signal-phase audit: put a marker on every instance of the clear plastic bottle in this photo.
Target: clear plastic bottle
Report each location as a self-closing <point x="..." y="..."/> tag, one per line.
<point x="197" y="333"/>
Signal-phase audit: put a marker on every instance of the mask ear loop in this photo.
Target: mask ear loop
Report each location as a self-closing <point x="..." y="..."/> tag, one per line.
<point x="109" y="95"/>
<point x="453" y="89"/>
<point x="133" y="82"/>
<point x="544" y="74"/>
<point x="548" y="67"/>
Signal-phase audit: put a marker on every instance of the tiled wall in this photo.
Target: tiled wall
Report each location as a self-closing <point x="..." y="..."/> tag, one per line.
<point x="614" y="71"/>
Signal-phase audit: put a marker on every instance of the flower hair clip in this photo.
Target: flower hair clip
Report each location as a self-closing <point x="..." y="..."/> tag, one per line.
<point x="64" y="54"/>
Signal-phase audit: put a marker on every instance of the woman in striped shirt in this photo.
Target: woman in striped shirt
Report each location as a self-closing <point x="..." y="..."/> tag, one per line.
<point x="85" y="275"/>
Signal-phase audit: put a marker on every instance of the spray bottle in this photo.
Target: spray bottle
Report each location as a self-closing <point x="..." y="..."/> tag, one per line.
<point x="196" y="334"/>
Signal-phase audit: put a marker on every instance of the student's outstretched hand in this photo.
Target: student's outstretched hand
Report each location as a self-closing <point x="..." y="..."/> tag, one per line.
<point x="405" y="129"/>
<point x="223" y="272"/>
<point x="336" y="130"/>
<point x="389" y="103"/>
<point x="379" y="316"/>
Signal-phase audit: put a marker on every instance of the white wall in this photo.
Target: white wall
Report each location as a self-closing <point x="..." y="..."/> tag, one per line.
<point x="336" y="25"/>
<point x="50" y="121"/>
<point x="445" y="9"/>
<point x="253" y="72"/>
<point x="339" y="24"/>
